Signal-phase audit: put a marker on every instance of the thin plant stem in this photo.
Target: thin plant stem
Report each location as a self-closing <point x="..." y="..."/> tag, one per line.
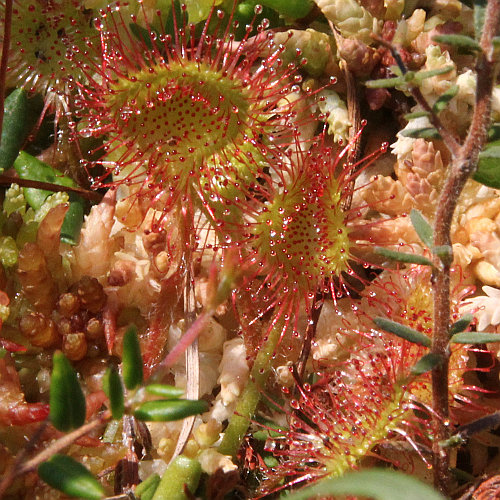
<point x="7" y="180"/>
<point x="20" y="466"/>
<point x="249" y="399"/>
<point x="7" y="25"/>
<point x="450" y="141"/>
<point x="64" y="442"/>
<point x="11" y="473"/>
<point x="463" y="165"/>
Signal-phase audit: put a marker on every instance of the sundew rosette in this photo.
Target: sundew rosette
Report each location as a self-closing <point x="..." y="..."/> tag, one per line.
<point x="170" y="106"/>
<point x="303" y="236"/>
<point x="368" y="403"/>
<point x="48" y="37"/>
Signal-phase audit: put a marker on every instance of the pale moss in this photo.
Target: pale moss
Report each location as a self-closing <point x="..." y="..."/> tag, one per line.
<point x="4" y="312"/>
<point x="350" y="18"/>
<point x="315" y="48"/>
<point x="8" y="251"/>
<point x="14" y="200"/>
<point x="433" y="87"/>
<point x="338" y="116"/>
<point x="31" y="218"/>
<point x="51" y="202"/>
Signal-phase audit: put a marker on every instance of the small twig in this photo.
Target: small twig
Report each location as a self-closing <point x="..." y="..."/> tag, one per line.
<point x="308" y="337"/>
<point x="192" y="361"/>
<point x="64" y="442"/>
<point x="7" y="25"/>
<point x="448" y="138"/>
<point x="354" y="112"/>
<point x="6" y="180"/>
<point x="11" y="473"/>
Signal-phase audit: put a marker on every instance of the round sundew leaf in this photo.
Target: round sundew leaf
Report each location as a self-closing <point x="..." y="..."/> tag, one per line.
<point x="67" y="401"/>
<point x="132" y="359"/>
<point x="169" y="410"/>
<point x="112" y="385"/>
<point x="69" y="476"/>
<point x="15" y="127"/>
<point x="403" y="331"/>
<point x="380" y="484"/>
<point x="164" y="390"/>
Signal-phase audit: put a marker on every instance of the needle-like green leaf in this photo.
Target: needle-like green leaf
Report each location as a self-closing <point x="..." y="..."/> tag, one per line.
<point x="167" y="410"/>
<point x="67" y="402"/>
<point x="132" y="359"/>
<point x="71" y="477"/>
<point x="403" y="331"/>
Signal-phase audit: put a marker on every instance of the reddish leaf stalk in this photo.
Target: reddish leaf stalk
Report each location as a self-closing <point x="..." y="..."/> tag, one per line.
<point x="5" y="57"/>
<point x="462" y="166"/>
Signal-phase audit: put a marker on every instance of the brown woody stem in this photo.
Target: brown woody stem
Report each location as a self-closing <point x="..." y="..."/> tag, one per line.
<point x="463" y="165"/>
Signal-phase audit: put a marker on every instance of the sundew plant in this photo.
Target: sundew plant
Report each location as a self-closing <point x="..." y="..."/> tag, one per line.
<point x="249" y="249"/>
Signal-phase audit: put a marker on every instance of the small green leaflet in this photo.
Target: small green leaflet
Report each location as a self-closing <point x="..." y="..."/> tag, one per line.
<point x="146" y="489"/>
<point x="426" y="364"/>
<point x="445" y="98"/>
<point x="132" y="359"/>
<point x="71" y="477"/>
<point x="422" y="227"/>
<point x="408" y="258"/>
<point x="488" y="171"/>
<point x="474" y="338"/>
<point x="15" y="127"/>
<point x="422" y="133"/>
<point x="183" y="473"/>
<point x="461" y="325"/>
<point x="112" y="385"/>
<point x="405" y="332"/>
<point x="164" y="390"/>
<point x="67" y="402"/>
<point x="380" y="484"/>
<point x="465" y="44"/>
<point x="168" y="410"/>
